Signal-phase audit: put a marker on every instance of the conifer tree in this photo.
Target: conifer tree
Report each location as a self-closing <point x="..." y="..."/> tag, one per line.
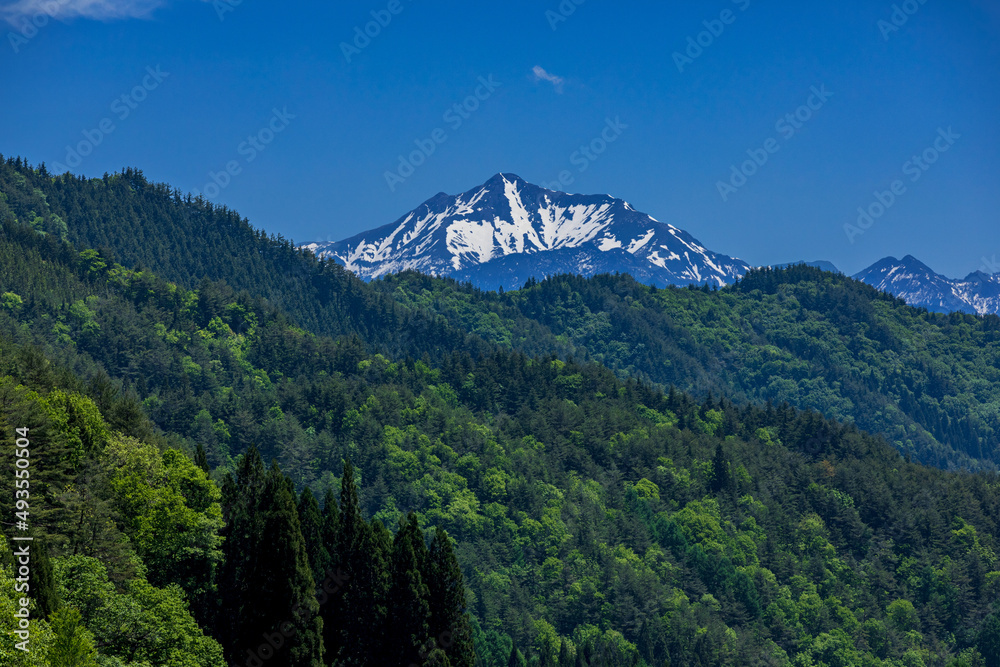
<point x="447" y="602"/>
<point x="312" y="522"/>
<point x="287" y="589"/>
<point x="565" y="660"/>
<point x="721" y="476"/>
<point x="42" y="583"/>
<point x="201" y="459"/>
<point x="408" y="605"/>
<point x="355" y="624"/>
<point x="243" y="534"/>
<point x="988" y="639"/>
<point x="268" y="592"/>
<point x="515" y="659"/>
<point x="331" y="525"/>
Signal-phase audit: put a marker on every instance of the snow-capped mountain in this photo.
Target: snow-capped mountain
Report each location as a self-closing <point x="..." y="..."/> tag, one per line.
<point x="914" y="282"/>
<point x="507" y="230"/>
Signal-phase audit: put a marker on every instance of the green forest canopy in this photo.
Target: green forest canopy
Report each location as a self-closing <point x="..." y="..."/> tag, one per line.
<point x="594" y="518"/>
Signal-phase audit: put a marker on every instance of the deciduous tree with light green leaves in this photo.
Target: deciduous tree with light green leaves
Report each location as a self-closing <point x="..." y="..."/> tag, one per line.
<point x="72" y="644"/>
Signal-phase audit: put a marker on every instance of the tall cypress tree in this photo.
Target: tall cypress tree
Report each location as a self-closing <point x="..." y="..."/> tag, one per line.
<point x="408" y="605"/>
<point x="331" y="526"/>
<point x="243" y="534"/>
<point x="447" y="602"/>
<point x="42" y="582"/>
<point x="381" y="543"/>
<point x="311" y="521"/>
<point x="267" y="589"/>
<point x="565" y="660"/>
<point x="287" y="590"/>
<point x="356" y="623"/>
<point x="201" y="458"/>
<point x="515" y="659"/>
<point x="722" y="479"/>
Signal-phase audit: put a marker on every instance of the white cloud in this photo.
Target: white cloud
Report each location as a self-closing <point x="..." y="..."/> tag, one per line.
<point x="102" y="10"/>
<point x="542" y="75"/>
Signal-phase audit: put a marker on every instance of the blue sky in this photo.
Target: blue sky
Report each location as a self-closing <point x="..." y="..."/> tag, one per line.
<point x="308" y="127"/>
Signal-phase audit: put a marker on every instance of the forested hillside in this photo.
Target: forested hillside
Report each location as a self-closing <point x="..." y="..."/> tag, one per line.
<point x="817" y="340"/>
<point x="929" y="383"/>
<point x="146" y="225"/>
<point x="588" y="519"/>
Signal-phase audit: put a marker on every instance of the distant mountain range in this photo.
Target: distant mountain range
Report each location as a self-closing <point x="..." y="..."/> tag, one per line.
<point x="914" y="282"/>
<point x="507" y="231"/>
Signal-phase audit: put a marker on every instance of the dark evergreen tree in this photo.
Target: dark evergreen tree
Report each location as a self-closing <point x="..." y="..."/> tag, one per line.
<point x="267" y="588"/>
<point x="42" y="580"/>
<point x="988" y="639"/>
<point x="722" y="479"/>
<point x="355" y="627"/>
<point x="201" y="458"/>
<point x="331" y="526"/>
<point x="515" y="659"/>
<point x="449" y="622"/>
<point x="287" y="590"/>
<point x="311" y="521"/>
<point x="407" y="602"/>
<point x="565" y="659"/>
<point x="243" y="535"/>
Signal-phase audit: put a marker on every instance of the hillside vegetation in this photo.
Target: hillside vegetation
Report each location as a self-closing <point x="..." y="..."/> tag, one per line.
<point x="929" y="383"/>
<point x="524" y="508"/>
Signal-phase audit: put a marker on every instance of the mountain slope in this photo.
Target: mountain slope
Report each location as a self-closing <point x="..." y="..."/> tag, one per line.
<point x="597" y="521"/>
<point x="813" y="339"/>
<point x="187" y="240"/>
<point x="918" y="285"/>
<point x="506" y="230"/>
<point x="930" y="383"/>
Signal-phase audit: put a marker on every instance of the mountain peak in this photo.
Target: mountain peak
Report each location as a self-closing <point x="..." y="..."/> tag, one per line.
<point x="500" y="178"/>
<point x="912" y="262"/>
<point x="919" y="285"/>
<point x="509" y="227"/>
